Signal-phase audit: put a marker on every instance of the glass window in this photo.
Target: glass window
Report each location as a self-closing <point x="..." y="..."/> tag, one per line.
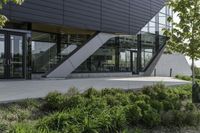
<point x="163" y="10"/>
<point x="148" y="48"/>
<point x="153" y="19"/>
<point x="49" y="49"/>
<point x="16" y="47"/>
<point x="162" y="18"/>
<point x="44" y="49"/>
<point x="145" y="29"/>
<point x="114" y="56"/>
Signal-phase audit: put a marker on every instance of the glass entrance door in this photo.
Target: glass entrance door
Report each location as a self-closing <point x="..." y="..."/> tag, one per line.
<point x="16" y="59"/>
<point x="12" y="58"/>
<point x="134" y="62"/>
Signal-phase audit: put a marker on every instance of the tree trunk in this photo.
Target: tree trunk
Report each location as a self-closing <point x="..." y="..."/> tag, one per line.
<point x="193" y="72"/>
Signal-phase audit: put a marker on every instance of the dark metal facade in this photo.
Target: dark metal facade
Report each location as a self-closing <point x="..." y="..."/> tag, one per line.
<point x="123" y="16"/>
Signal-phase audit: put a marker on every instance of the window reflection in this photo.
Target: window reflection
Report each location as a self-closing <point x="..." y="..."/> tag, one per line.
<point x="159" y="21"/>
<point x="16" y="47"/>
<point x="49" y="49"/>
<point x="148" y="48"/>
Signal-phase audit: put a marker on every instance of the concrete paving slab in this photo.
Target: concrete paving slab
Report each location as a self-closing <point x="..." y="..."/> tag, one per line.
<point x="11" y="90"/>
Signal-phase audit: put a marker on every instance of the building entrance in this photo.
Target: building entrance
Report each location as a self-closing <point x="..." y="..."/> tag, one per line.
<point x="12" y="55"/>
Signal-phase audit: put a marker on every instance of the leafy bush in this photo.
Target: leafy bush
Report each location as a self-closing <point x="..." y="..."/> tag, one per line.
<point x="55" y="101"/>
<point x="183" y="77"/>
<point x="105" y="111"/>
<point x="157" y="105"/>
<point x="133" y="114"/>
<point x="3" y="127"/>
<point x="74" y="101"/>
<point x="151" y="118"/>
<point x="91" y="92"/>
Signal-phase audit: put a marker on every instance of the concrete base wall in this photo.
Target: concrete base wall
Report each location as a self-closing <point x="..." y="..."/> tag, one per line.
<point x="99" y="75"/>
<point x="176" y="62"/>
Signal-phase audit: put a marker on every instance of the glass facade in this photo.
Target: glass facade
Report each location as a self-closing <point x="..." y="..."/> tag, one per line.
<point x="130" y="53"/>
<point x="148" y="45"/>
<point x="48" y="49"/>
<point x="159" y="22"/>
<point x="44" y="49"/>
<point x="114" y="56"/>
<point x="51" y="45"/>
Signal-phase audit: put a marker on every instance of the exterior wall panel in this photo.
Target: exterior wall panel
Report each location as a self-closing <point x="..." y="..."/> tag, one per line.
<point x="124" y="16"/>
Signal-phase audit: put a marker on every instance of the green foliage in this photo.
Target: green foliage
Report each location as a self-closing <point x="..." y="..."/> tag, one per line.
<point x="55" y="101"/>
<point x="3" y="127"/>
<point x="197" y="72"/>
<point x="184" y="37"/>
<point x="133" y="114"/>
<point x="151" y="118"/>
<point x="105" y="111"/>
<point x="183" y="77"/>
<point x="91" y="92"/>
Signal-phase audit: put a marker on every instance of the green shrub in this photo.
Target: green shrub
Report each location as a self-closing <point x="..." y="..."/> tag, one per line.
<point x="24" y="128"/>
<point x="72" y="91"/>
<point x="74" y="101"/>
<point x="118" y="118"/>
<point x="111" y="91"/>
<point x="167" y="105"/>
<point x="106" y="111"/>
<point x="179" y="118"/>
<point x="91" y="92"/>
<point x="192" y="118"/>
<point x="60" y="121"/>
<point x="183" y="77"/>
<point x="56" y="122"/>
<point x="3" y="127"/>
<point x="167" y="118"/>
<point x="133" y="114"/>
<point x="151" y="118"/>
<point x="157" y="105"/>
<point x="139" y="97"/>
<point x="190" y="107"/>
<point x="55" y="101"/>
<point x="143" y="105"/>
<point x="111" y="120"/>
<point x="112" y="100"/>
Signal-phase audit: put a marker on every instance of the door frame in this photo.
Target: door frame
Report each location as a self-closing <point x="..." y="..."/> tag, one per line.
<point x="7" y="51"/>
<point x="132" y="63"/>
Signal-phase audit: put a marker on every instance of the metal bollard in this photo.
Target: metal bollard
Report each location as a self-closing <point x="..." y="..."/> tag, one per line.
<point x="170" y="72"/>
<point x="154" y="72"/>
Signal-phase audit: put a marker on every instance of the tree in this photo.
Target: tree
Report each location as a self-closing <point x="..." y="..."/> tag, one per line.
<point x="3" y="19"/>
<point x="184" y="38"/>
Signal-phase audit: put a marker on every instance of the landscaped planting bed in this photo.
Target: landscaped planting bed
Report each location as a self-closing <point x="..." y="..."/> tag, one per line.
<point x="153" y="109"/>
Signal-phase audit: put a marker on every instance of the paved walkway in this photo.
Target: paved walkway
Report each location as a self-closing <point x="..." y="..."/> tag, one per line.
<point x="16" y="90"/>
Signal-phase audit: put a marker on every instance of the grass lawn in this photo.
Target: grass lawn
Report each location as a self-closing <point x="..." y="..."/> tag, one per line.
<point x="153" y="109"/>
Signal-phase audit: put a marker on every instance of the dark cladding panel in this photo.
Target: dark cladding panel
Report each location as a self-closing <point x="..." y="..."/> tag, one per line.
<point x="156" y="5"/>
<point x="43" y="11"/>
<point x="140" y="14"/>
<point x="115" y="15"/>
<point x="83" y="13"/>
<point x="124" y="16"/>
<point x="6" y="10"/>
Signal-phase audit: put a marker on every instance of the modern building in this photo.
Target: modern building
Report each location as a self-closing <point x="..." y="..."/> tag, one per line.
<point x="82" y="38"/>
